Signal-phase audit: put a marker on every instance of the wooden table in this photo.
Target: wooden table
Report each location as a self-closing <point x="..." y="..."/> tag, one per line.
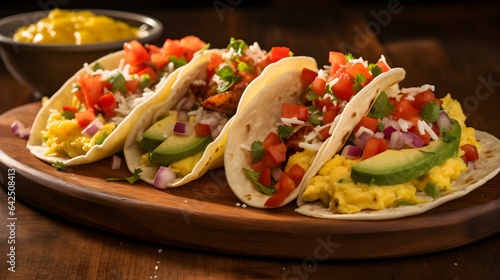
<point x="454" y="47"/>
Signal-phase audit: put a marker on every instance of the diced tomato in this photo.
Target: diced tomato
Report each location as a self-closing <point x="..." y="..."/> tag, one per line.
<point x="108" y="104"/>
<point x="132" y="85"/>
<point x="202" y="129"/>
<point x="471" y="153"/>
<point x="265" y="177"/>
<point x="325" y="104"/>
<point x="92" y="89"/>
<point x="191" y="44"/>
<point x="135" y="53"/>
<point x="152" y="48"/>
<point x="277" y="53"/>
<point x="374" y="146"/>
<point x="159" y="60"/>
<point x="343" y="89"/>
<point x="296" y="172"/>
<point x="307" y="75"/>
<point x="404" y="110"/>
<point x="248" y="77"/>
<point x="289" y="110"/>
<point x="173" y="47"/>
<point x="337" y="58"/>
<point x="329" y="116"/>
<point x="271" y="140"/>
<point x="318" y="86"/>
<point x="147" y="70"/>
<point x="422" y="98"/>
<point x="259" y="166"/>
<point x="383" y="65"/>
<point x="284" y="188"/>
<point x="85" y="118"/>
<point x="79" y="96"/>
<point x="69" y="108"/>
<point x="358" y="67"/>
<point x="215" y="60"/>
<point x="276" y="153"/>
<point x="368" y="122"/>
<point x="324" y="133"/>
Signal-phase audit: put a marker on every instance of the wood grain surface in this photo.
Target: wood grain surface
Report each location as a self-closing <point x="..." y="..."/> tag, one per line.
<point x="450" y="45"/>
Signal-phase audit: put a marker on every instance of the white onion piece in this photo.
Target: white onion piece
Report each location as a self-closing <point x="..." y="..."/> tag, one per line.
<point x="92" y="128"/>
<point x="116" y="162"/>
<point x="471" y="165"/>
<point x="397" y="140"/>
<point x="182" y="116"/>
<point x="351" y="151"/>
<point x="183" y="128"/>
<point x="379" y="135"/>
<point x="180" y="104"/>
<point x="164" y="177"/>
<point x="213" y="122"/>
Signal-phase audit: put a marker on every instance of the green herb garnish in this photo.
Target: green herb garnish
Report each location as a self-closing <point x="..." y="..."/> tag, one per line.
<point x="447" y="136"/>
<point x="359" y="81"/>
<point x="68" y="115"/>
<point x="244" y="67"/>
<point x="177" y="61"/>
<point x="101" y="138"/>
<point x="374" y="69"/>
<point x="382" y="107"/>
<point x="131" y="179"/>
<point x="228" y="78"/>
<point x="237" y="45"/>
<point x="59" y="165"/>
<point x="257" y="151"/>
<point x="430" y="111"/>
<point x="254" y="177"/>
<point x="284" y="131"/>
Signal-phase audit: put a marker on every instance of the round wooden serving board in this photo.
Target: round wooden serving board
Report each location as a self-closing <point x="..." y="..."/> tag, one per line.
<point x="205" y="214"/>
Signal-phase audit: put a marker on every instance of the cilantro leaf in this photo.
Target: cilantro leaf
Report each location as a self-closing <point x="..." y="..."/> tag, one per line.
<point x="177" y="61"/>
<point x="237" y="45"/>
<point x="228" y="78"/>
<point x="374" y="69"/>
<point x="359" y="81"/>
<point x="284" y="131"/>
<point x="311" y="95"/>
<point x="382" y="107"/>
<point x="314" y="119"/>
<point x="254" y="177"/>
<point x="430" y="112"/>
<point x="349" y="56"/>
<point x="68" y="115"/>
<point x="432" y="190"/>
<point x="257" y="151"/>
<point x="131" y="179"/>
<point x="244" y="67"/>
<point x="59" y="165"/>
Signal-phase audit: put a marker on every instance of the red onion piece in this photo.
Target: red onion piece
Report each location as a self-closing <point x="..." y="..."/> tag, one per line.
<point x="92" y="128"/>
<point x="362" y="139"/>
<point x="276" y="174"/>
<point x="444" y="121"/>
<point x="412" y="140"/>
<point x="471" y="165"/>
<point x="183" y="128"/>
<point x="388" y="130"/>
<point x="18" y="128"/>
<point x="116" y="162"/>
<point x="351" y="151"/>
<point x="164" y="177"/>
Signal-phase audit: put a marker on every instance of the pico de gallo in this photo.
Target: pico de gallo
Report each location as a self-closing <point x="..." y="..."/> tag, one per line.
<point x="212" y="101"/>
<point x="104" y="97"/>
<point x="279" y="161"/>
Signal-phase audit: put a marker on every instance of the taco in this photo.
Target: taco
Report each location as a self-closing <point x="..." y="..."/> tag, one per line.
<point x="89" y="117"/>
<point x="275" y="140"/>
<point x="180" y="139"/>
<point x="412" y="152"/>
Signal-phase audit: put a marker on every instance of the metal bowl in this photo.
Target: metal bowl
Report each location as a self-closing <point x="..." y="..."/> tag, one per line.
<point x="45" y="67"/>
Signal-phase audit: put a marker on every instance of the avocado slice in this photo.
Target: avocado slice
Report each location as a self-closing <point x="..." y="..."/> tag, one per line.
<point x="399" y="166"/>
<point x="177" y="147"/>
<point x="156" y="134"/>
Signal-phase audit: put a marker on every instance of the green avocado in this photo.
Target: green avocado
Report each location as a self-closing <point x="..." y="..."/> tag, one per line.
<point x="157" y="133"/>
<point x="177" y="147"/>
<point x="399" y="166"/>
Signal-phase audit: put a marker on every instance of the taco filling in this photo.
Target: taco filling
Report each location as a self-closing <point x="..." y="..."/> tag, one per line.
<point x="408" y="150"/>
<point x="104" y="97"/>
<point x="176" y="141"/>
<point x="279" y="161"/>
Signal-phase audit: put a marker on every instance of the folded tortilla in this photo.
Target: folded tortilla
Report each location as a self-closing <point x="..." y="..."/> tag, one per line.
<point x="115" y="141"/>
<point x="263" y="112"/>
<point x="213" y="155"/>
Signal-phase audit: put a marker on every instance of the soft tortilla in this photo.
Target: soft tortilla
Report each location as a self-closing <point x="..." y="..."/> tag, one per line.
<point x="487" y="167"/>
<point x="262" y="114"/>
<point x="114" y="142"/>
<point x="213" y="156"/>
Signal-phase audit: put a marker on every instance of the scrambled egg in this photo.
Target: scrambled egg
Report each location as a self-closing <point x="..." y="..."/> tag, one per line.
<point x="304" y="159"/>
<point x="335" y="188"/>
<point x="64" y="137"/>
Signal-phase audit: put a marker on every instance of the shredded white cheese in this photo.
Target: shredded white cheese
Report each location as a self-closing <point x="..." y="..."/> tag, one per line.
<point x="291" y="121"/>
<point x="418" y="89"/>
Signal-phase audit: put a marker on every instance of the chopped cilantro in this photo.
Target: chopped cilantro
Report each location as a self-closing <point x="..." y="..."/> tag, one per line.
<point x="237" y="45"/>
<point x="228" y="78"/>
<point x="206" y="47"/>
<point x="381" y="126"/>
<point x="311" y="95"/>
<point x="101" y="139"/>
<point x="59" y="165"/>
<point x="68" y="115"/>
<point x="118" y="82"/>
<point x="145" y="81"/>
<point x="177" y="61"/>
<point x="382" y="107"/>
<point x="432" y="190"/>
<point x="131" y="179"/>
<point x="314" y="118"/>
<point x="430" y="111"/>
<point x="257" y="151"/>
<point x="97" y="66"/>
<point x="349" y="56"/>
<point x="359" y="81"/>
<point x="374" y="69"/>
<point x="254" y="177"/>
<point x="244" y="67"/>
<point x="284" y="131"/>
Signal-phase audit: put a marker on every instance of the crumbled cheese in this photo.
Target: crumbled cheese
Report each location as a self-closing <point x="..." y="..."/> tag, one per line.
<point x="404" y="124"/>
